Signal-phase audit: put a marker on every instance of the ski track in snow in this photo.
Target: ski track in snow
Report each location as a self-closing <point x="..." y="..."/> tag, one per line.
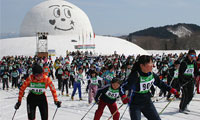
<point x="75" y="110"/>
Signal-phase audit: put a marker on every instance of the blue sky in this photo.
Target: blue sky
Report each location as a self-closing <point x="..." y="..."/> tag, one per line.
<point x="112" y="17"/>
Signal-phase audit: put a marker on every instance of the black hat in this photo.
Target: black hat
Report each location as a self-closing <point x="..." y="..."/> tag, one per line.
<point x="93" y="71"/>
<point x="115" y="79"/>
<point x="177" y="62"/>
<point x="37" y="69"/>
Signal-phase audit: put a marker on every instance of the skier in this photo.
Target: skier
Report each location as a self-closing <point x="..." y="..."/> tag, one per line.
<point x="59" y="73"/>
<point x="46" y="69"/>
<point x="15" y="76"/>
<point x="107" y="96"/>
<point x="77" y="84"/>
<point x="109" y="75"/>
<point x="198" y="77"/>
<point x="172" y="78"/>
<point x="187" y="71"/>
<point x="72" y="76"/>
<point x="94" y="81"/>
<point x="5" y="75"/>
<point x="65" y="78"/>
<point x="140" y="81"/>
<point x="51" y="70"/>
<point x="38" y="83"/>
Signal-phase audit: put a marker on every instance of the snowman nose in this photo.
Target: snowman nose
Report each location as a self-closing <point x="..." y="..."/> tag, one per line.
<point x="62" y="19"/>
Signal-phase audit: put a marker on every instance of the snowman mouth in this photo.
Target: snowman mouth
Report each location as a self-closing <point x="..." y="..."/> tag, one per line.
<point x="63" y="29"/>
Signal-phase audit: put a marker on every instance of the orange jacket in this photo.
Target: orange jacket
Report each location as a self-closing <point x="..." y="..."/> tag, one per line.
<point x="45" y="79"/>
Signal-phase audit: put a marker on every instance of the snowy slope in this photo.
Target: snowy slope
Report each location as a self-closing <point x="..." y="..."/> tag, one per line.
<point x="180" y="31"/>
<point x="75" y="110"/>
<point x="104" y="45"/>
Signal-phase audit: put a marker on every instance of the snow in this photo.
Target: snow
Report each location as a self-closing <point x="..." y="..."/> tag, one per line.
<point x="103" y="45"/>
<point x="75" y="110"/>
<point x="166" y="52"/>
<point x="180" y="31"/>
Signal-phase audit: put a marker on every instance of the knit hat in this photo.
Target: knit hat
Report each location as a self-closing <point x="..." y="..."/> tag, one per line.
<point x="93" y="71"/>
<point x="37" y="69"/>
<point x="115" y="79"/>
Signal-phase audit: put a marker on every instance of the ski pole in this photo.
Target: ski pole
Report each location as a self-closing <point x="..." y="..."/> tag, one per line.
<point x="185" y="83"/>
<point x="14" y="115"/>
<point x="88" y="111"/>
<point x="166" y="105"/>
<point x="115" y="112"/>
<point x="55" y="113"/>
<point x="123" y="112"/>
<point x="171" y="81"/>
<point x="118" y="108"/>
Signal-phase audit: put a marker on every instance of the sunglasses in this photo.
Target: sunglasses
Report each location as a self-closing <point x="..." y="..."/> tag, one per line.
<point x="193" y="55"/>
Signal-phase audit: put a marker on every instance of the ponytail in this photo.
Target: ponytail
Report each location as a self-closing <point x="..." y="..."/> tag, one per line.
<point x="144" y="59"/>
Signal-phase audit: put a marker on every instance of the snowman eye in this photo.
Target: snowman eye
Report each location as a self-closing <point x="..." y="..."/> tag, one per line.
<point x="56" y="12"/>
<point x="67" y="13"/>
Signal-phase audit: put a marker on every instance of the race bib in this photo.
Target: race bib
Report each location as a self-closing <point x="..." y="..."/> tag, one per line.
<point x="94" y="81"/>
<point x="14" y="74"/>
<point x="176" y="74"/>
<point x="65" y="77"/>
<point x="112" y="94"/>
<point x="46" y="70"/>
<point x="37" y="88"/>
<point x="80" y="78"/>
<point x="146" y="83"/>
<point x="109" y="77"/>
<point x="30" y="71"/>
<point x="164" y="80"/>
<point x="5" y="76"/>
<point x="190" y="70"/>
<point x="60" y="71"/>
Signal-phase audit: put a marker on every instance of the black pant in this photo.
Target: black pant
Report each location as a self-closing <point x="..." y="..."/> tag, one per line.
<point x="148" y="110"/>
<point x="51" y="74"/>
<point x="187" y="94"/>
<point x="65" y="84"/>
<point x="5" y="83"/>
<point x="59" y="81"/>
<point x="71" y="81"/>
<point x="14" y="81"/>
<point x="37" y="100"/>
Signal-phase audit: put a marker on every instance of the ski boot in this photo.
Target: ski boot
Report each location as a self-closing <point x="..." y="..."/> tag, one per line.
<point x="182" y="111"/>
<point x="72" y="98"/>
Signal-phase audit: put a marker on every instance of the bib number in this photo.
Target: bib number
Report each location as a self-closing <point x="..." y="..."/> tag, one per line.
<point x="112" y="95"/>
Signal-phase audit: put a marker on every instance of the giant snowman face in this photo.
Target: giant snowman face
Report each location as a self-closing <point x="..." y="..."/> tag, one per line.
<point x="63" y="15"/>
<point x="57" y="17"/>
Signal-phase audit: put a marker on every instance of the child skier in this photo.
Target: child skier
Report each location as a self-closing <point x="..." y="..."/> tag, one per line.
<point x="77" y="84"/>
<point x="107" y="96"/>
<point x="15" y="77"/>
<point x="5" y="76"/>
<point x="94" y="81"/>
<point x="65" y="77"/>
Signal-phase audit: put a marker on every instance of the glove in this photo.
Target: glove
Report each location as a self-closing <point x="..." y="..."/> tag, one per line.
<point x="175" y="92"/>
<point x="58" y="103"/>
<point x="96" y="101"/>
<point x="125" y="99"/>
<point x="17" y="105"/>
